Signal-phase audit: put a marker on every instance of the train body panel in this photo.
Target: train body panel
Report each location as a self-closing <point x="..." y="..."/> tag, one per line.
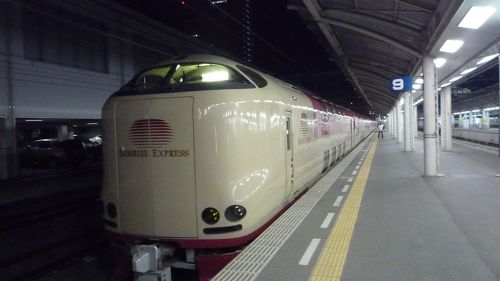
<point x="211" y="166"/>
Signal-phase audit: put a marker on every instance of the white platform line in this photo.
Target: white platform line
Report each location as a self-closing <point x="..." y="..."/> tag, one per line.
<point x="327" y="220"/>
<point x="306" y="258"/>
<point x="338" y="201"/>
<point x="354" y="172"/>
<point x="350" y="179"/>
<point x="346" y="187"/>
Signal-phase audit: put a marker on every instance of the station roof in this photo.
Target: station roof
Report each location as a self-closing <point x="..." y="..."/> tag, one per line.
<point x="375" y="41"/>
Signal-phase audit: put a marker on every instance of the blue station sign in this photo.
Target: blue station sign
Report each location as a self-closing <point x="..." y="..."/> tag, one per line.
<point x="402" y="84"/>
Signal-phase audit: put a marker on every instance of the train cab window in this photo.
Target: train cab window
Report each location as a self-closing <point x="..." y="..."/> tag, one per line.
<point x="152" y="78"/>
<point x="254" y="76"/>
<point x="189" y="77"/>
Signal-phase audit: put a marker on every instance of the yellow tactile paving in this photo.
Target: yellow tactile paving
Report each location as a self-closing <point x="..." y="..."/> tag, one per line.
<point x="334" y="253"/>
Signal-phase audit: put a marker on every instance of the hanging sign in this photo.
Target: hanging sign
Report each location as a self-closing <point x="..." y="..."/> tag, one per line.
<point x="402" y="84"/>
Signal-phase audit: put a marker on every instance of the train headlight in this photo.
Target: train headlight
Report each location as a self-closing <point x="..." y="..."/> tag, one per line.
<point x="235" y="212"/>
<point x="210" y="215"/>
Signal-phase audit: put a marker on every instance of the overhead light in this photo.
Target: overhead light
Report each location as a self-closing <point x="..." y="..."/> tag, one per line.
<point x="419" y="81"/>
<point x="467" y="71"/>
<point x="439" y="62"/>
<point x="418" y="102"/>
<point x="445" y="85"/>
<point x="439" y="88"/>
<point x="417" y="86"/>
<point x="491" y="108"/>
<point x="451" y="46"/>
<point x="455" y="79"/>
<point x="413" y="91"/>
<point x="487" y="59"/>
<point x="33" y="120"/>
<point x="92" y="123"/>
<point x="476" y="16"/>
<point x="475" y="110"/>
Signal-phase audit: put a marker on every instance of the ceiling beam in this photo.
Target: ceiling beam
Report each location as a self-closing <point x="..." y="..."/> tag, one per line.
<point x="415" y="6"/>
<point x="314" y="9"/>
<point x="372" y="34"/>
<point x="374" y="69"/>
<point x="443" y="14"/>
<point x="380" y="91"/>
<point x="376" y="63"/>
<point x="373" y="21"/>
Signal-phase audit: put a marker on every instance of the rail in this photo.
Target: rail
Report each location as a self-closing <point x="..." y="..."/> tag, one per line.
<point x="41" y="233"/>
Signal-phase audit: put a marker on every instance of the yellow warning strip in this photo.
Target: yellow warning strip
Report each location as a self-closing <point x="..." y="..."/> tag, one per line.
<point x="334" y="253"/>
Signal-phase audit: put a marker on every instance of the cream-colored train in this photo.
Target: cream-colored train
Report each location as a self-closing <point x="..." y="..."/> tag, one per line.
<point x="201" y="153"/>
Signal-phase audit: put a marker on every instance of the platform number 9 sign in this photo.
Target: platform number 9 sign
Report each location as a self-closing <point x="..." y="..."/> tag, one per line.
<point x="402" y="84"/>
<point x="398" y="84"/>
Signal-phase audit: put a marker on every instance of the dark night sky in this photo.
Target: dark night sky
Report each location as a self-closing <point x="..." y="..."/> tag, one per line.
<point x="290" y="51"/>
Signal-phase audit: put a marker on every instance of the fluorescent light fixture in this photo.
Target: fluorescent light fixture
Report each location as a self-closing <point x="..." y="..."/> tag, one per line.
<point x="456" y="113"/>
<point x="92" y="123"/>
<point x="451" y="46"/>
<point x="487" y="59"/>
<point x="33" y="120"/>
<point x="413" y="91"/>
<point x="445" y="85"/>
<point x="419" y="81"/>
<point x="491" y="108"/>
<point x="418" y="102"/>
<point x="417" y="86"/>
<point x="455" y="78"/>
<point x="465" y="112"/>
<point x="467" y="71"/>
<point x="439" y="62"/>
<point x="475" y="110"/>
<point x="476" y="16"/>
<point x="439" y="88"/>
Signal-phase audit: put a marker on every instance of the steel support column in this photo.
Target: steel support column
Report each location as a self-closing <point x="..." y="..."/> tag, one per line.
<point x="400" y="121"/>
<point x="407" y="121"/>
<point x="430" y="136"/>
<point x="415" y="121"/>
<point x="446" y="118"/>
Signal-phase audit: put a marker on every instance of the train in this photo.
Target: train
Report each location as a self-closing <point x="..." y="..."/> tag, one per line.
<point x="484" y="136"/>
<point x="201" y="153"/>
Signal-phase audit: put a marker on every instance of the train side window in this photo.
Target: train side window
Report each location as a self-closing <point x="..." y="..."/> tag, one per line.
<point x="254" y="76"/>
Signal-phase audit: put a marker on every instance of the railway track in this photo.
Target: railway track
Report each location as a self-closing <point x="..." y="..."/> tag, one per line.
<point x="40" y="234"/>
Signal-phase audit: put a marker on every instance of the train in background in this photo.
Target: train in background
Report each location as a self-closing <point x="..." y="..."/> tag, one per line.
<point x="202" y="153"/>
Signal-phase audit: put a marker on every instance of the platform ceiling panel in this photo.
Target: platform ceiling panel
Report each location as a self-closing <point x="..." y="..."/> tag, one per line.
<point x="375" y="41"/>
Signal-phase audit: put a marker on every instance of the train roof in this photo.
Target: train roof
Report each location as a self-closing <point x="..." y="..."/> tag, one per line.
<point x="208" y="58"/>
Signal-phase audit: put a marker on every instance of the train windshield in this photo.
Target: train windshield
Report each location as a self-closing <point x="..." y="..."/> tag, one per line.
<point x="188" y="77"/>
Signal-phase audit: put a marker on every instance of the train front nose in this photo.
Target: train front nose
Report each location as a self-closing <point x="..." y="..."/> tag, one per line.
<point x="155" y="167"/>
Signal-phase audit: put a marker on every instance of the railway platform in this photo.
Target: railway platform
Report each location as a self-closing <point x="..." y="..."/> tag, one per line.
<point x="375" y="217"/>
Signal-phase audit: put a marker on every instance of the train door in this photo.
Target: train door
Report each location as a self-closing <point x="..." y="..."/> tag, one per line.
<point x="289" y="155"/>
